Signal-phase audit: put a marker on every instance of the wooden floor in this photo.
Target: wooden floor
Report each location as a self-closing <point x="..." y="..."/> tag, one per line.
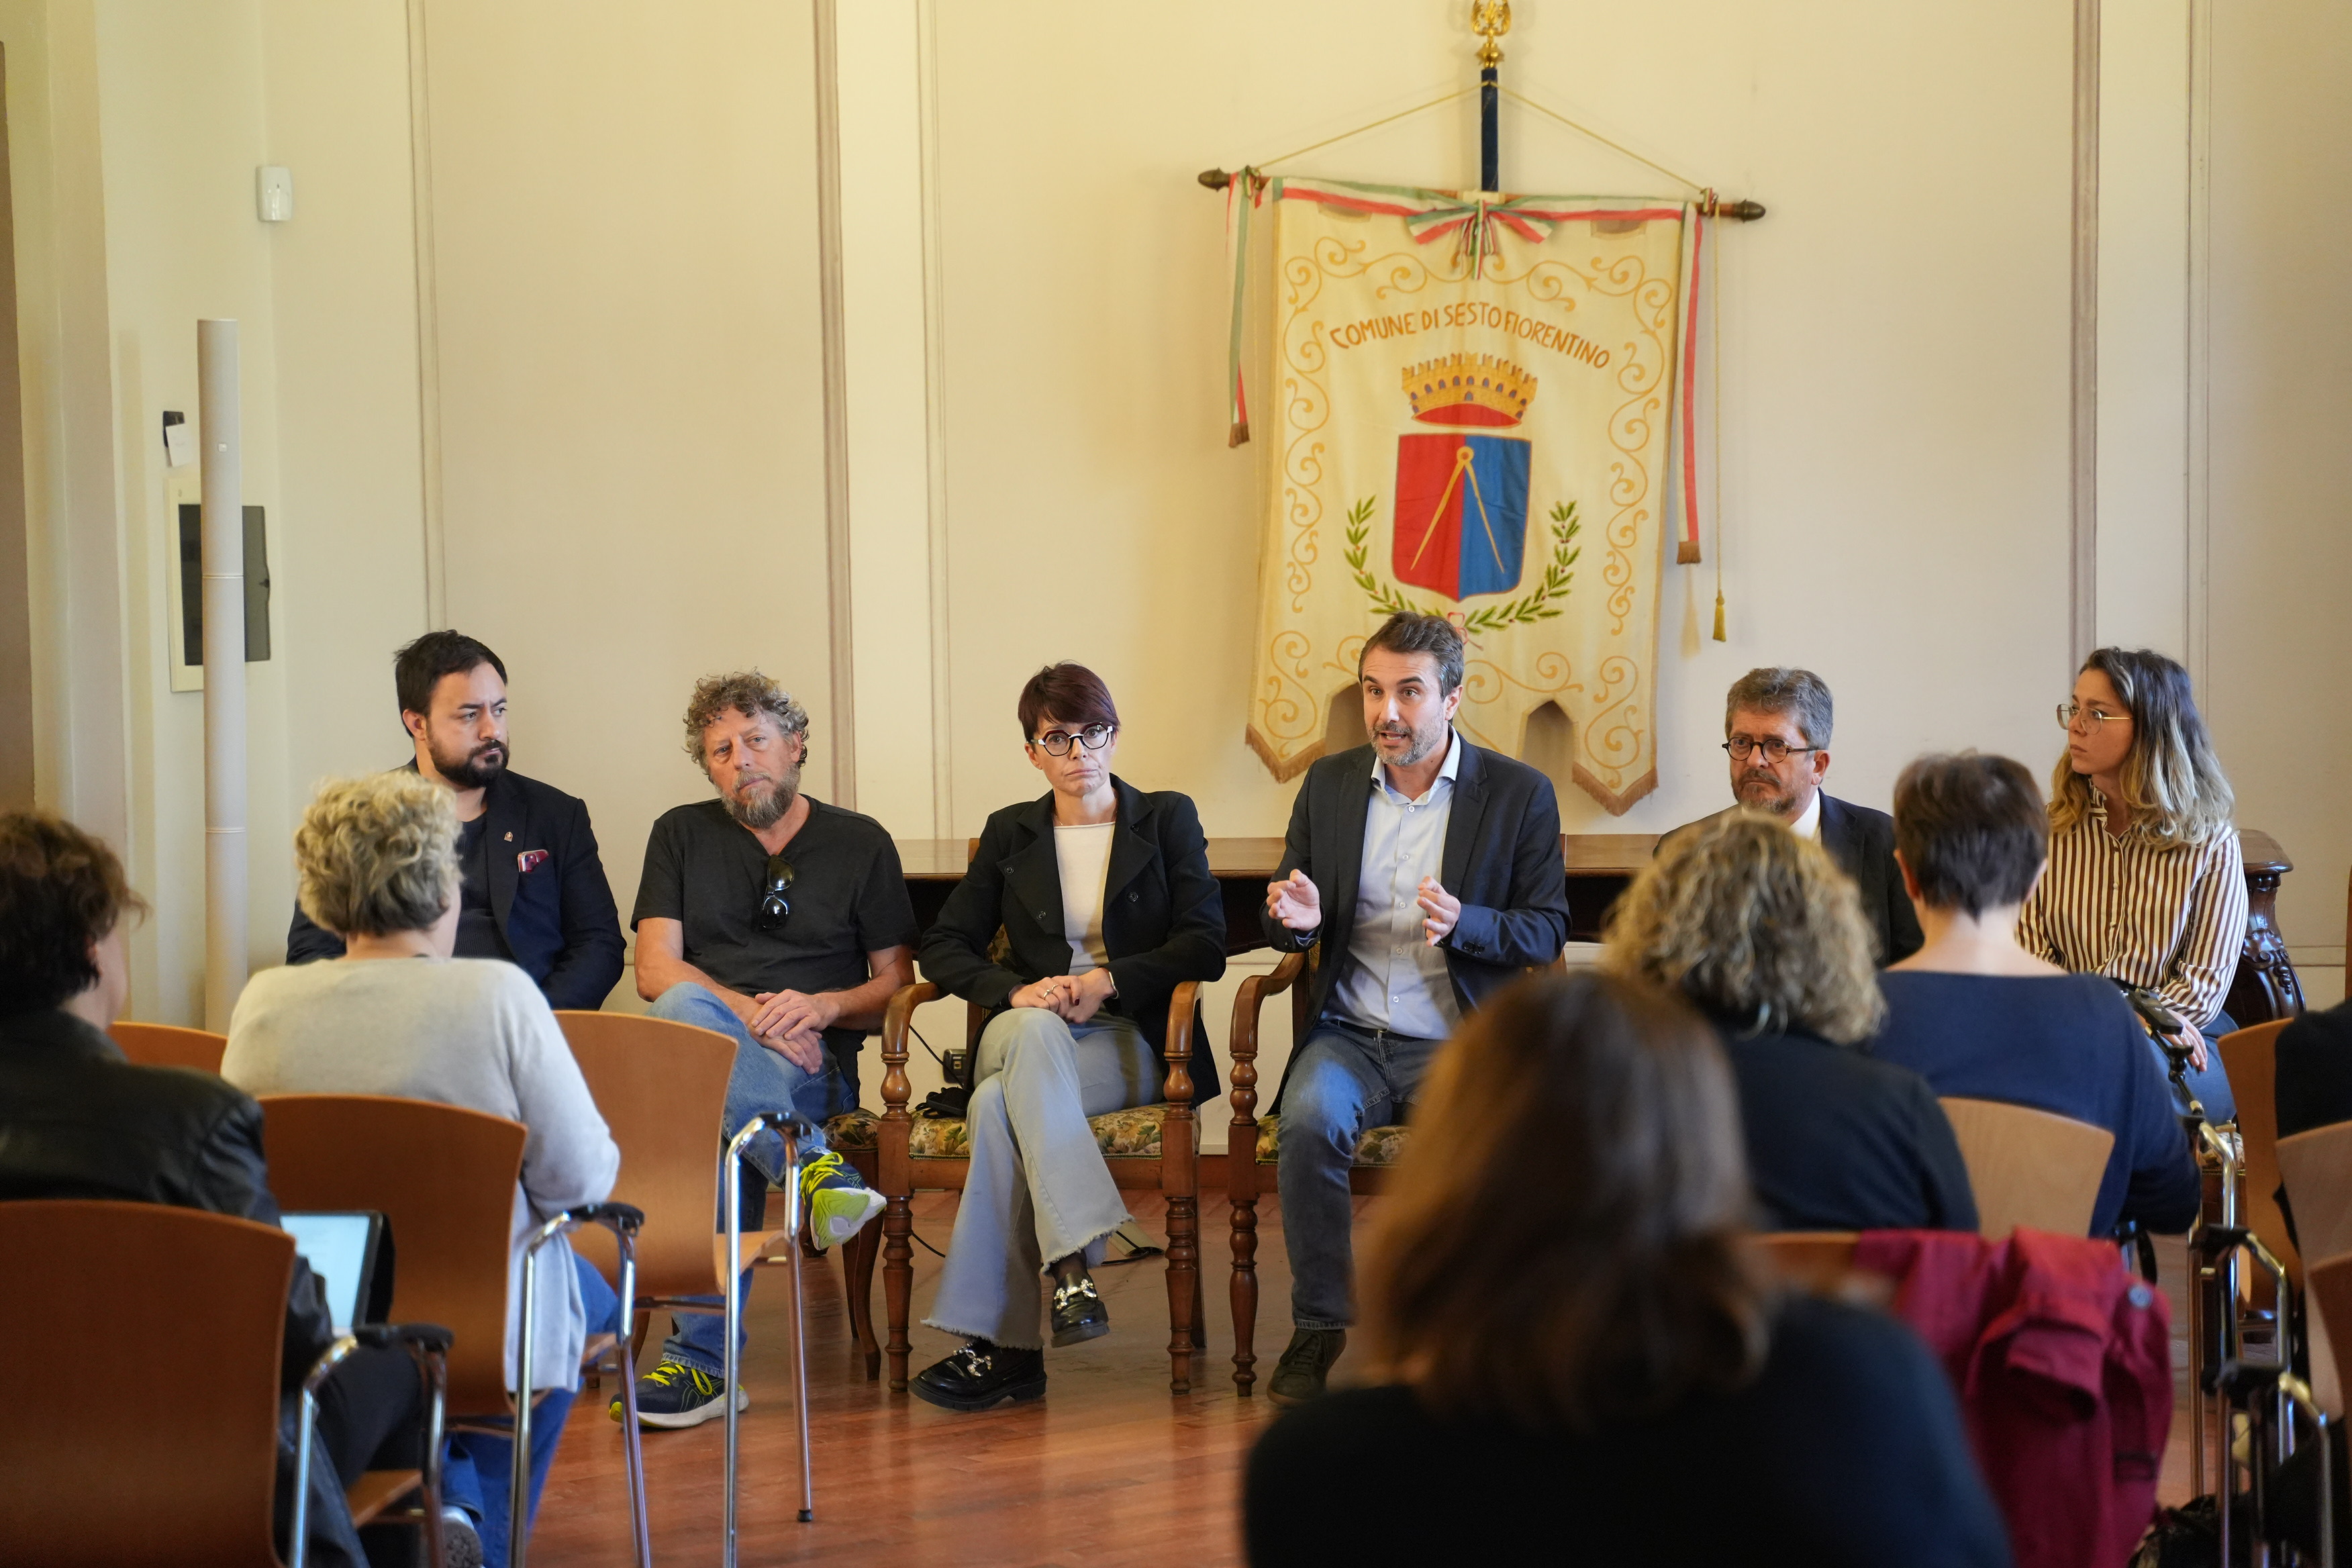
<point x="1109" y="1469"/>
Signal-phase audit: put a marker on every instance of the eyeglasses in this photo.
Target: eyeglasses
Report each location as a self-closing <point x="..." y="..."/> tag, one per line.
<point x="2067" y="712"/>
<point x="775" y="909"/>
<point x="1058" y="742"/>
<point x="1775" y="750"/>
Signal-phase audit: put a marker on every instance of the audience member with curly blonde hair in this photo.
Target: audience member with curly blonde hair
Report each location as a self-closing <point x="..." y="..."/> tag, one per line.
<point x="1570" y="1341"/>
<point x="1765" y="934"/>
<point x="376" y="860"/>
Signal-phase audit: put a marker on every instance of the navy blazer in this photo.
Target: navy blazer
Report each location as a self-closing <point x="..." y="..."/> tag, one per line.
<point x="1502" y="859"/>
<point x="1163" y="918"/>
<point x="559" y="920"/>
<point x="1861" y="842"/>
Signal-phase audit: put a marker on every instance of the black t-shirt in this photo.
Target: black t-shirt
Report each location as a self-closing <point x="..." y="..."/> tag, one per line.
<point x="1847" y="1449"/>
<point x="706" y="871"/>
<point x="477" y="928"/>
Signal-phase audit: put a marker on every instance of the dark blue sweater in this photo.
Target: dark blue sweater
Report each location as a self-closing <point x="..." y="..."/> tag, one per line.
<point x="2067" y="1044"/>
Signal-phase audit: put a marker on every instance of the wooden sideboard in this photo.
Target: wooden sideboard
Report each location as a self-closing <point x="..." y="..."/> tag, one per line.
<point x="1599" y="865"/>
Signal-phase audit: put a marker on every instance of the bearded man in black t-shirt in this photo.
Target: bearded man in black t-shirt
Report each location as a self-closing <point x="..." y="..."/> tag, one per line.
<point x="783" y="923"/>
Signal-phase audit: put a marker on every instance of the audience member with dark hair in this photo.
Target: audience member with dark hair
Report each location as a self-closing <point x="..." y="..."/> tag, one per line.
<point x="768" y="916"/>
<point x="1571" y="1342"/>
<point x="1776" y="731"/>
<point x="1764" y="933"/>
<point x="376" y="860"/>
<point x="1430" y="871"/>
<point x="1104" y="900"/>
<point x="77" y="1121"/>
<point x="2145" y="884"/>
<point x="534" y="891"/>
<point x="1979" y="1016"/>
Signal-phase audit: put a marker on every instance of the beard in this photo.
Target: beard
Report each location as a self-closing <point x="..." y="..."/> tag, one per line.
<point x="1767" y="793"/>
<point x="1418" y="748"/>
<point x="476" y="768"/>
<point x="766" y="800"/>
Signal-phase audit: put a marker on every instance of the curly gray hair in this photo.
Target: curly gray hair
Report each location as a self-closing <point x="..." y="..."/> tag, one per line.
<point x="377" y="855"/>
<point x="748" y="693"/>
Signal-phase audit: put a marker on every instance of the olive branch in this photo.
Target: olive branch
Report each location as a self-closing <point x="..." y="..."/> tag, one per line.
<point x="1536" y="604"/>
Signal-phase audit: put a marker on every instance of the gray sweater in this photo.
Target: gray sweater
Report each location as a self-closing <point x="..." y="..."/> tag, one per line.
<point x="470" y="1031"/>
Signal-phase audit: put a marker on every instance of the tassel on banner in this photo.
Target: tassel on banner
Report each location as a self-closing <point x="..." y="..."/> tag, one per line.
<point x="1718" y="616"/>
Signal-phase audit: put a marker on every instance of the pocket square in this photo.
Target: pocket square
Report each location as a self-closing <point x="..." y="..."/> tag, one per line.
<point x="529" y="861"/>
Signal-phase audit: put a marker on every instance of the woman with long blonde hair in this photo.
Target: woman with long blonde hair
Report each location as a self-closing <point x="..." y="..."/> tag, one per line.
<point x="2145" y="884"/>
<point x="1761" y="929"/>
<point x="1567" y="1334"/>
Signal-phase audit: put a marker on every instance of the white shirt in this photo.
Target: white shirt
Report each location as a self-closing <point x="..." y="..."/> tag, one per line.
<point x="1809" y="824"/>
<point x="1083" y="855"/>
<point x="1395" y="979"/>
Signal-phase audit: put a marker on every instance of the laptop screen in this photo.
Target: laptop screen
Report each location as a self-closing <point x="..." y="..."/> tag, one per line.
<point x="341" y="1248"/>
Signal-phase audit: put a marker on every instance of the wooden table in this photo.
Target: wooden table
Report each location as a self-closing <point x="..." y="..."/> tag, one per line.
<point x="1599" y="865"/>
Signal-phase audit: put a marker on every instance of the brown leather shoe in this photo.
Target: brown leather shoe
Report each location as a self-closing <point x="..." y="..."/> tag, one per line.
<point x="1299" y="1375"/>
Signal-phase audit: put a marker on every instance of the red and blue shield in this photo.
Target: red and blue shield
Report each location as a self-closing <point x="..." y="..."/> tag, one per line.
<point x="1461" y="511"/>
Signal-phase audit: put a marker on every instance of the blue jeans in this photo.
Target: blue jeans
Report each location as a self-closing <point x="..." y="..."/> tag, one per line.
<point x="478" y="1469"/>
<point x="762" y="1081"/>
<point x="1343" y="1080"/>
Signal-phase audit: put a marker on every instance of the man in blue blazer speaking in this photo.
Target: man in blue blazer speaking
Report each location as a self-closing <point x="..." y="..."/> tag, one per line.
<point x="534" y="891"/>
<point x="1430" y="870"/>
<point x="1776" y="728"/>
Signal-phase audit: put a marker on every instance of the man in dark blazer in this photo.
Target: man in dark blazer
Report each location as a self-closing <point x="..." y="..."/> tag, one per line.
<point x="534" y="891"/>
<point x="1430" y="871"/>
<point x="1776" y="728"/>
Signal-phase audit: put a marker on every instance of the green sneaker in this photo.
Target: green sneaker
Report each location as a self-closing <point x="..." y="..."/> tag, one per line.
<point x="675" y="1395"/>
<point x="839" y="1201"/>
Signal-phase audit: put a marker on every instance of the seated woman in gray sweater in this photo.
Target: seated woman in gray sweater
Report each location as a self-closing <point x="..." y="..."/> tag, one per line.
<point x="377" y="863"/>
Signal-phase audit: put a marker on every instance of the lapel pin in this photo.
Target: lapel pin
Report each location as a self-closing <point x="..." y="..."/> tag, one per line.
<point x="509" y="836"/>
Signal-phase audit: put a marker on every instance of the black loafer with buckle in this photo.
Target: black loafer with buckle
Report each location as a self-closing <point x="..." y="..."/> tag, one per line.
<point x="1079" y="1314"/>
<point x="981" y="1376"/>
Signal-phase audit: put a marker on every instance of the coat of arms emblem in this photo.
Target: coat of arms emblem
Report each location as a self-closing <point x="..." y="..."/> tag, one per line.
<point x="1461" y="493"/>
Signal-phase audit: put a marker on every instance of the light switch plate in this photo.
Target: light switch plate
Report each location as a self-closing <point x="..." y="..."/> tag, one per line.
<point x="273" y="187"/>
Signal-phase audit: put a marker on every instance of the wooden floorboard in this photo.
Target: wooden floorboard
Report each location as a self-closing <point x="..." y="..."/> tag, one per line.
<point x="1109" y="1469"/>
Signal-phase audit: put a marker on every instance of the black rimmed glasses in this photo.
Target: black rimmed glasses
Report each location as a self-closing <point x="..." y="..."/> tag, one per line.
<point x="2069" y="712"/>
<point x="1775" y="749"/>
<point x="775" y="906"/>
<point x="1094" y="737"/>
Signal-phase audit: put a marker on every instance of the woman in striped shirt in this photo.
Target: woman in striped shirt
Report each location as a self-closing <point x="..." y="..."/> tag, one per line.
<point x="2144" y="883"/>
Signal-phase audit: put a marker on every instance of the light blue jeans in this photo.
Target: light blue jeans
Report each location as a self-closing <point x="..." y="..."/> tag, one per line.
<point x="762" y="1081"/>
<point x="1038" y="1190"/>
<point x="1343" y="1080"/>
<point x="478" y="1469"/>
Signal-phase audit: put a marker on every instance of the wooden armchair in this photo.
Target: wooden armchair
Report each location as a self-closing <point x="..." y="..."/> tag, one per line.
<point x="1151" y="1148"/>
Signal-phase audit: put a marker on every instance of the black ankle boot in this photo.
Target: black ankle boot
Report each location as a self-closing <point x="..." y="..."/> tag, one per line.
<point x="1080" y="1313"/>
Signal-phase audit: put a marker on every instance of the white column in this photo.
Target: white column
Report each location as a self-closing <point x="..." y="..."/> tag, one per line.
<point x="887" y="304"/>
<point x="224" y="600"/>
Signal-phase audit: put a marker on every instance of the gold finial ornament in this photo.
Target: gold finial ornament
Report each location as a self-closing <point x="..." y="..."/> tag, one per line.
<point x="1490" y="19"/>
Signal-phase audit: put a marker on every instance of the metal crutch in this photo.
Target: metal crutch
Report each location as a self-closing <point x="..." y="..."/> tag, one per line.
<point x="624" y="1220"/>
<point x="795" y="1132"/>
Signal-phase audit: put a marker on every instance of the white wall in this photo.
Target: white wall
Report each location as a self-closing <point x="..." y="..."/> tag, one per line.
<point x="622" y="205"/>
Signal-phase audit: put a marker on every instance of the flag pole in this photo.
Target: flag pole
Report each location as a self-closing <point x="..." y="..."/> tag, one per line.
<point x="1490" y="19"/>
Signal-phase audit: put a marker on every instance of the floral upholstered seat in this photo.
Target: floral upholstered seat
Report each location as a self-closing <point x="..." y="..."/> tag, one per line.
<point x="1132" y="1134"/>
<point x="1375" y="1146"/>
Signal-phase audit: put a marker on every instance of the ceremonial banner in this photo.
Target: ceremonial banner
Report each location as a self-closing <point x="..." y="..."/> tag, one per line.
<point x="1480" y="410"/>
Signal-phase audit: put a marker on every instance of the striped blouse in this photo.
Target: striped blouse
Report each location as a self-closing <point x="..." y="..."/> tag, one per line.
<point x="2168" y="918"/>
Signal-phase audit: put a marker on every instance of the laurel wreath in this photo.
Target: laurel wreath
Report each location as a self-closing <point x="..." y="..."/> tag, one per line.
<point x="1536" y="604"/>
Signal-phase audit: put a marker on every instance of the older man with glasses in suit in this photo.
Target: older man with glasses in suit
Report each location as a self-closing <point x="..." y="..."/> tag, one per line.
<point x="1776" y="728"/>
<point x="771" y="916"/>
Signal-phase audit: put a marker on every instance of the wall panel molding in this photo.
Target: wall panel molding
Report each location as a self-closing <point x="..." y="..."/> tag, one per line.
<point x="842" y="665"/>
<point x="2082" y="511"/>
<point x="428" y="320"/>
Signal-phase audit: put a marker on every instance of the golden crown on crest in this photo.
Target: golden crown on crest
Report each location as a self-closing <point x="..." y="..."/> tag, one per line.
<point x="1445" y="391"/>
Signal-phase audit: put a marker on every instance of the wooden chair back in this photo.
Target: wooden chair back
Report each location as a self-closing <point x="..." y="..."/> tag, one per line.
<point x="2328" y="1295"/>
<point x="662" y="1087"/>
<point x="2028" y="1167"/>
<point x="2250" y="1057"/>
<point x="445" y="1179"/>
<point x="1814" y="1260"/>
<point x="2317" y="1169"/>
<point x="170" y="1046"/>
<point x="174" y="1324"/>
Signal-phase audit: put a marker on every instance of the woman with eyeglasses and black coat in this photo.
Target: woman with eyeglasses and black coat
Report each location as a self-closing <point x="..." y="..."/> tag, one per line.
<point x="1103" y="897"/>
<point x="2145" y="884"/>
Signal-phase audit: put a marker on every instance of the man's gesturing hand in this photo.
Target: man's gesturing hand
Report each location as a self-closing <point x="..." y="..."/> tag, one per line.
<point x="1439" y="910"/>
<point x="1294" y="902"/>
